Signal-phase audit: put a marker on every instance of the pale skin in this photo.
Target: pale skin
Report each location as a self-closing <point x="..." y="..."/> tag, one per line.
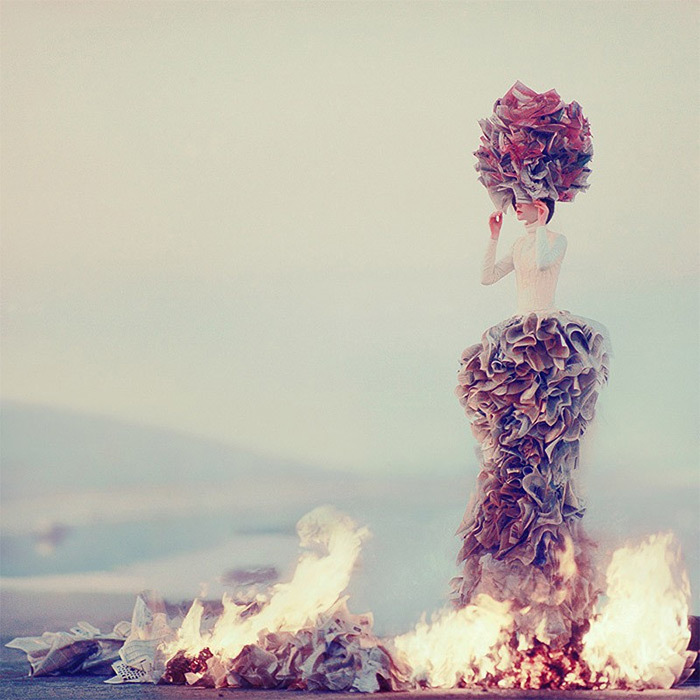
<point x="527" y="212"/>
<point x="549" y="247"/>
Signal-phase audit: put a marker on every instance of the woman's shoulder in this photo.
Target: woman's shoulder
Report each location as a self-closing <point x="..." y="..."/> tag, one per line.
<point x="556" y="238"/>
<point x="554" y="234"/>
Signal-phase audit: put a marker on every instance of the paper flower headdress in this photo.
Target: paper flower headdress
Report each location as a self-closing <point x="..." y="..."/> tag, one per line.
<point x="534" y="146"/>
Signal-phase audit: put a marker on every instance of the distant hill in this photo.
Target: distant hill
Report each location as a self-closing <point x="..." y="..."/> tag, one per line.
<point x="43" y="449"/>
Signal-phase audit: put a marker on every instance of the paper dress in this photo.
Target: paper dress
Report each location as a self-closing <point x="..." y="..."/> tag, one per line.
<point x="529" y="389"/>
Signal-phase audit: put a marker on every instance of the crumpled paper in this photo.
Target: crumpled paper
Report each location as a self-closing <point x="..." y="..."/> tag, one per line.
<point x="83" y="649"/>
<point x="149" y="628"/>
<point x="530" y="389"/>
<point x="534" y="146"/>
<point x="337" y="652"/>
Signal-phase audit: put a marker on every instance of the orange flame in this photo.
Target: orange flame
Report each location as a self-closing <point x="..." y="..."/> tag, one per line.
<point x="332" y="544"/>
<point x="640" y="638"/>
<point x="460" y="647"/>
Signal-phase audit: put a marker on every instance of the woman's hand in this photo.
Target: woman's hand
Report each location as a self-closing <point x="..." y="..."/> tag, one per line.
<point x="542" y="212"/>
<point x="495" y="223"/>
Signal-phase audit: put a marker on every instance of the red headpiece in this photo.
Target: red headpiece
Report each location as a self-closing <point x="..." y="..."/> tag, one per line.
<point x="534" y="146"/>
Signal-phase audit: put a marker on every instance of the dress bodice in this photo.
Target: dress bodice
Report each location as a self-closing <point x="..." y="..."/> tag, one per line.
<point x="536" y="258"/>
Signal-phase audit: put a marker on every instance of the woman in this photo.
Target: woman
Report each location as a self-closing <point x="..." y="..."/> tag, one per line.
<point x="530" y="389"/>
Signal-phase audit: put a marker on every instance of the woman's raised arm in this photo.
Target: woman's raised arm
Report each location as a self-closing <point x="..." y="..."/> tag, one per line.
<point x="492" y="271"/>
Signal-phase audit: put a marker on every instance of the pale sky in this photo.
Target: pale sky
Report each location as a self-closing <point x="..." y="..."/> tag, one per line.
<point x="259" y="222"/>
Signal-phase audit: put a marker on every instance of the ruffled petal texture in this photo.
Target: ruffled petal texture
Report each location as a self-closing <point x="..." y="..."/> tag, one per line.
<point x="529" y="389"/>
<point x="534" y="146"/>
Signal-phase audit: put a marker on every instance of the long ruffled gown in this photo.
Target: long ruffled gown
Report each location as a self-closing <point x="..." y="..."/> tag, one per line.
<point x="530" y="389"/>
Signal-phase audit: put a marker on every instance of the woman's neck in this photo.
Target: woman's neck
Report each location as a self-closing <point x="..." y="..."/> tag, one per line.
<point x="531" y="228"/>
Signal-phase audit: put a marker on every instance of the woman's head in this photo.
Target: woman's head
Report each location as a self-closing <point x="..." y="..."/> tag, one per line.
<point x="528" y="212"/>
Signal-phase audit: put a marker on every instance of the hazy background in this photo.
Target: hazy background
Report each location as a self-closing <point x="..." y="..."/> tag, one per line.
<point x="240" y="244"/>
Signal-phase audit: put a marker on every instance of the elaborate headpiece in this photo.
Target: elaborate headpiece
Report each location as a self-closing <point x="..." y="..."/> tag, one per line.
<point x="534" y="146"/>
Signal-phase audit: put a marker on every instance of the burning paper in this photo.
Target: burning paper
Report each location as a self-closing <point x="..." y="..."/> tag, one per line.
<point x="460" y="647"/>
<point x="331" y="545"/>
<point x="301" y="634"/>
<point x="640" y="639"/>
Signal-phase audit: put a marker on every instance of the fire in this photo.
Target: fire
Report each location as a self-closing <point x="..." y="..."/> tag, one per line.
<point x="641" y="636"/>
<point x="460" y="647"/>
<point x="332" y="544"/>
<point x="639" y="639"/>
<point x="567" y="560"/>
<point x="301" y="635"/>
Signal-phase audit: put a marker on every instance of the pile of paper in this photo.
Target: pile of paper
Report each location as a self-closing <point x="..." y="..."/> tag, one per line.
<point x="83" y="649"/>
<point x="338" y="652"/>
